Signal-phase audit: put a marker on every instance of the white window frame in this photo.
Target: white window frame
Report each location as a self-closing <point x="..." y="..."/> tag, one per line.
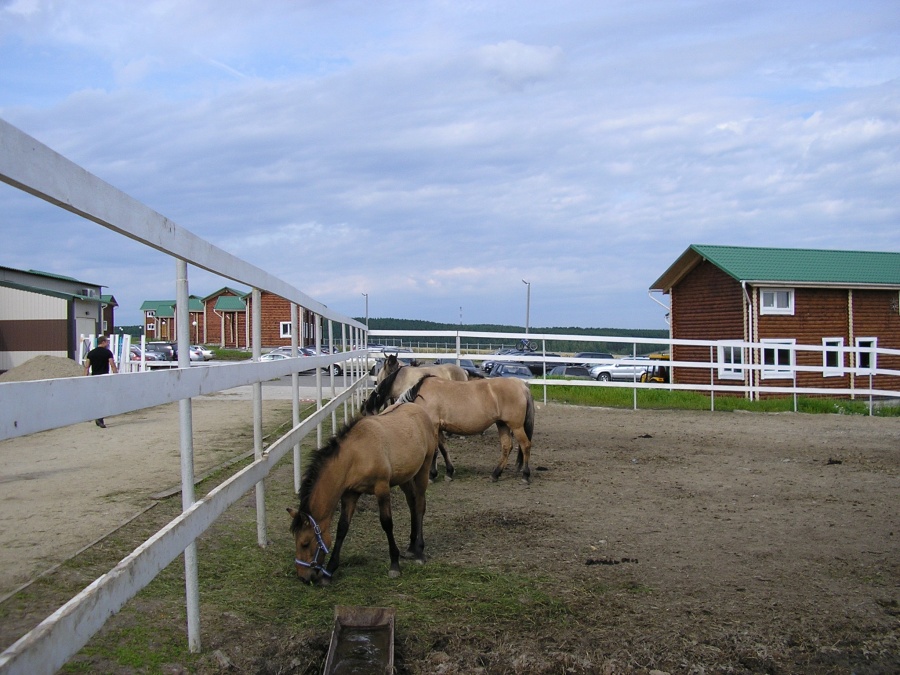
<point x="284" y="329"/>
<point x="833" y="346"/>
<point x="773" y="307"/>
<point x="151" y="313"/>
<point x="729" y="368"/>
<point x="778" y="371"/>
<point x="866" y="346"/>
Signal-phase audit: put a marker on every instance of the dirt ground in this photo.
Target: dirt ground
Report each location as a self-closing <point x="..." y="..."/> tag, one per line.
<point x="727" y="542"/>
<point x="64" y="489"/>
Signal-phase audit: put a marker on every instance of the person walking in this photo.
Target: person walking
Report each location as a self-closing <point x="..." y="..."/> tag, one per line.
<point x="100" y="361"/>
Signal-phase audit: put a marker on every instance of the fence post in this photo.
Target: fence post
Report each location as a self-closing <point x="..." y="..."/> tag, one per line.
<point x="256" y="299"/>
<point x="712" y="381"/>
<point x="634" y="375"/>
<point x="295" y="391"/>
<point x="186" y="427"/>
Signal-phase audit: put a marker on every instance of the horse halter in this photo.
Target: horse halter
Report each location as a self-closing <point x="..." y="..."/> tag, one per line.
<point x="315" y="565"/>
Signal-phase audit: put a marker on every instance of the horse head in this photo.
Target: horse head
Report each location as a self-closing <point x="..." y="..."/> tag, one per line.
<point x="311" y="547"/>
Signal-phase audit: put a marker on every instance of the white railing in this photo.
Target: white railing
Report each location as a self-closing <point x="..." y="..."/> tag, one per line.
<point x="750" y="378"/>
<point x="29" y="407"/>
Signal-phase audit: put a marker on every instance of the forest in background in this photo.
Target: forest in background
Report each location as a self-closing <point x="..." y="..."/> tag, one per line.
<point x="572" y="346"/>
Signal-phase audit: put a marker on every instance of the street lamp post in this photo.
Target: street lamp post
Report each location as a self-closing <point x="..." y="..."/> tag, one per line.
<point x="527" y="304"/>
<point x="367" y="313"/>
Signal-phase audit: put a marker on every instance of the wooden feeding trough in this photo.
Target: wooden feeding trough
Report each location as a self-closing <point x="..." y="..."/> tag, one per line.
<point x="362" y="641"/>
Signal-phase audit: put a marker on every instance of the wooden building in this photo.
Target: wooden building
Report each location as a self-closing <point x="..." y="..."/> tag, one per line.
<point x="43" y="313"/>
<point x="845" y="303"/>
<point x="223" y="318"/>
<point x="160" y="324"/>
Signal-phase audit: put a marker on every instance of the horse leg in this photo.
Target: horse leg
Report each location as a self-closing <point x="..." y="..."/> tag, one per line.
<point x="383" y="495"/>
<point x="448" y="465"/>
<point x="415" y="499"/>
<point x="506" y="444"/>
<point x="348" y="508"/>
<point x="524" y="452"/>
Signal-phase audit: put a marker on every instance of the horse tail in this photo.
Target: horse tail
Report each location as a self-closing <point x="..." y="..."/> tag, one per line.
<point x="529" y="414"/>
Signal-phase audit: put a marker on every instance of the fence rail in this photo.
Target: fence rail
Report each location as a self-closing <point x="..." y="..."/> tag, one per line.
<point x="29" y="407"/>
<point x="751" y="378"/>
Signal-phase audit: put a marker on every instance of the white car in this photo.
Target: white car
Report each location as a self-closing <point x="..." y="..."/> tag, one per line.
<point x="620" y="372"/>
<point x="200" y="353"/>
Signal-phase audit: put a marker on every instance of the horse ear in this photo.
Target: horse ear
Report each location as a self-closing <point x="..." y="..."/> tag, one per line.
<point x="292" y="511"/>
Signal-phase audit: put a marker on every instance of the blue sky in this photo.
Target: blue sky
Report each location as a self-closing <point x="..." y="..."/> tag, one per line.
<point x="433" y="154"/>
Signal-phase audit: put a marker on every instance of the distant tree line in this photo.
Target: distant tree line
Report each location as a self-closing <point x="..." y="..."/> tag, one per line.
<point x="557" y="346"/>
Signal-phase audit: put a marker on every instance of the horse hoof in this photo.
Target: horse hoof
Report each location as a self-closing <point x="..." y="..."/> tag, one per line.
<point x="393" y="574"/>
<point x="420" y="561"/>
<point x="448" y="478"/>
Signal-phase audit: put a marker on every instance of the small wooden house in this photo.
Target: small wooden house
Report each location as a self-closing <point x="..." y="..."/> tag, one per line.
<point x="846" y="303"/>
<point x="223" y="318"/>
<point x="44" y="313"/>
<point x="160" y="322"/>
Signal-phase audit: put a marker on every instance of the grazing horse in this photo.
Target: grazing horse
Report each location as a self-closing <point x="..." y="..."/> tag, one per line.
<point x="393" y="379"/>
<point x="468" y="408"/>
<point x="368" y="456"/>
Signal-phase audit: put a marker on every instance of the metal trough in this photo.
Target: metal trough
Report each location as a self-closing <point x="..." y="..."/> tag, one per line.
<point x="362" y="641"/>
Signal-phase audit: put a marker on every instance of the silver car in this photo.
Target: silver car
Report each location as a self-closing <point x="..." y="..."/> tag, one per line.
<point x="619" y="371"/>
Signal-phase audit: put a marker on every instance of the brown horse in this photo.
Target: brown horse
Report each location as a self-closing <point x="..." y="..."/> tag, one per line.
<point x="393" y="379"/>
<point x="369" y="456"/>
<point x="468" y="408"/>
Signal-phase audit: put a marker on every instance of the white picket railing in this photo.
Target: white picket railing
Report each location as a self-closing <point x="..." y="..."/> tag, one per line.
<point x="29" y="407"/>
<point x="881" y="383"/>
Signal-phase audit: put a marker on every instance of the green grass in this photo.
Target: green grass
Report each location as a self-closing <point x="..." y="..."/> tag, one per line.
<point x="663" y="399"/>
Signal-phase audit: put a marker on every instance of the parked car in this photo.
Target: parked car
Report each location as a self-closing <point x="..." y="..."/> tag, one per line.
<point x="371" y="362"/>
<point x="536" y="367"/>
<point x="575" y="372"/>
<point x="465" y="364"/>
<point x="620" y="372"/>
<point x="581" y="358"/>
<point x="205" y="354"/>
<point x="274" y="356"/>
<point x="168" y="349"/>
<point x="519" y="370"/>
<point x="148" y="355"/>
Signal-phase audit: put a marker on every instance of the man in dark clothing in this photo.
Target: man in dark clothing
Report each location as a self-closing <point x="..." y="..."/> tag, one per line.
<point x="100" y="361"/>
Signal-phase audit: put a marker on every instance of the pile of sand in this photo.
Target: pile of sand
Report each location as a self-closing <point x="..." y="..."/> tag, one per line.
<point x="43" y="368"/>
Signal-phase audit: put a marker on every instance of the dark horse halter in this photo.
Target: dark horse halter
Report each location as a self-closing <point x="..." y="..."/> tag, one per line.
<point x="322" y="548"/>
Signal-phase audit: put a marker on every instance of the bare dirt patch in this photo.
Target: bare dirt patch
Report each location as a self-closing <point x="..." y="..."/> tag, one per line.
<point x="683" y="542"/>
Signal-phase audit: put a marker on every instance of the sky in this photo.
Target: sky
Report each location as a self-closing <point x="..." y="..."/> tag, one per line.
<point x="434" y="154"/>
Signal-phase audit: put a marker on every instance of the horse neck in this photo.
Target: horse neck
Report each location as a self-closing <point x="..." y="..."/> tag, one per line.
<point x="327" y="490"/>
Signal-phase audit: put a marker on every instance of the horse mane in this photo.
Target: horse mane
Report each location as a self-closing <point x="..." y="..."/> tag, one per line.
<point x="412" y="393"/>
<point x="380" y="392"/>
<point x="316" y="462"/>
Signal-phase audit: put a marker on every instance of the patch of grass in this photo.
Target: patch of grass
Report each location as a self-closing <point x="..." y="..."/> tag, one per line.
<point x="230" y="354"/>
<point x="663" y="399"/>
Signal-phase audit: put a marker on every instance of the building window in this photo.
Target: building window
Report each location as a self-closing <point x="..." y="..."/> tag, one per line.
<point x="832" y="357"/>
<point x="778" y="359"/>
<point x="151" y="313"/>
<point x="866" y="357"/>
<point x="777" y="301"/>
<point x="285" y="328"/>
<point x="731" y="360"/>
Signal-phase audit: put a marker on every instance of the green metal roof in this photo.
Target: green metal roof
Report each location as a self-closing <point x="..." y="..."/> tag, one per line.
<point x="230" y="303"/>
<point x="789" y="266"/>
<point x="167" y="307"/>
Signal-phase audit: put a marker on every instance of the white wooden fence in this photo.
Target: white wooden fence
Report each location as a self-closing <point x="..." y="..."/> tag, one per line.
<point x="29" y="407"/>
<point x="785" y="383"/>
